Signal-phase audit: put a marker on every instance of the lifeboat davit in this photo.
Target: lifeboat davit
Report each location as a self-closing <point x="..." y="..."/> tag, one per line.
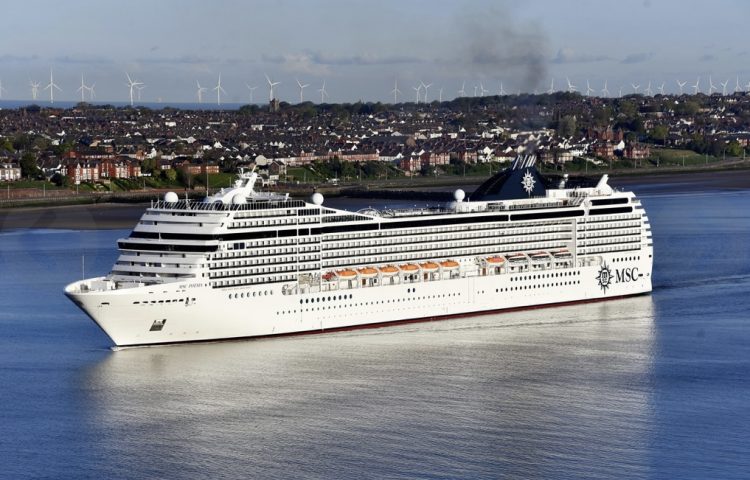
<point x="561" y="254"/>
<point x="429" y="266"/>
<point x="539" y="256"/>
<point x="329" y="276"/>
<point x="346" y="274"/>
<point x="496" y="260"/>
<point x="409" y="267"/>
<point x="388" y="271"/>
<point x="449" y="265"/>
<point x="516" y="257"/>
<point x="367" y="272"/>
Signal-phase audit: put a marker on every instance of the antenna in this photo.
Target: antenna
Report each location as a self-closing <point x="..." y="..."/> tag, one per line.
<point x="200" y="91"/>
<point x="219" y="90"/>
<point x="301" y="90"/>
<point x="132" y="84"/>
<point x="52" y="86"/>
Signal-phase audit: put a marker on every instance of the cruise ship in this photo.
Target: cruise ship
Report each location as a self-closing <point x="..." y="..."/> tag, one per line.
<point x="243" y="264"/>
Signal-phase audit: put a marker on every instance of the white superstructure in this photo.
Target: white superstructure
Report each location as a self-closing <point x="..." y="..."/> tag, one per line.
<point x="246" y="264"/>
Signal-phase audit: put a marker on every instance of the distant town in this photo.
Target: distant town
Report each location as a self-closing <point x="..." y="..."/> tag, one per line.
<point x="106" y="149"/>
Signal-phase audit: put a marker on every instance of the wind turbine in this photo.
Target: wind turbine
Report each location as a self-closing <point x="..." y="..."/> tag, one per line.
<point x="52" y="86"/>
<point x="200" y="91"/>
<point x="140" y="89"/>
<point x="219" y="90"/>
<point x="681" y="85"/>
<point x="252" y="89"/>
<point x="425" y="90"/>
<point x="462" y="92"/>
<point x="724" y="88"/>
<point x="132" y="84"/>
<point x="502" y="90"/>
<point x="551" y="86"/>
<point x="571" y="88"/>
<point x="395" y="91"/>
<point x="91" y="91"/>
<point x="589" y="90"/>
<point x="476" y="87"/>
<point x="440" y="95"/>
<point x="2" y="89"/>
<point x="301" y="89"/>
<point x="711" y="86"/>
<point x="697" y="86"/>
<point x="661" y="88"/>
<point x="737" y="85"/>
<point x="270" y="88"/>
<point x="417" y="89"/>
<point x="82" y="89"/>
<point x="482" y="90"/>
<point x="635" y="87"/>
<point x="620" y="92"/>
<point x="648" y="90"/>
<point x="34" y="89"/>
<point x="605" y="90"/>
<point x="323" y="93"/>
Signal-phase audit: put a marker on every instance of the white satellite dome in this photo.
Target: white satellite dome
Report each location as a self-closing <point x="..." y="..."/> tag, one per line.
<point x="317" y="198"/>
<point x="171" y="197"/>
<point x="459" y="195"/>
<point x="239" y="199"/>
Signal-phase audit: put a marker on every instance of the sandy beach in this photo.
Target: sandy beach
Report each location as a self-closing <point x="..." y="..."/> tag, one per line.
<point x="119" y="216"/>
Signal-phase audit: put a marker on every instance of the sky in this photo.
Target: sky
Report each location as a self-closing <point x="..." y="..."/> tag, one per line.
<point x="360" y="48"/>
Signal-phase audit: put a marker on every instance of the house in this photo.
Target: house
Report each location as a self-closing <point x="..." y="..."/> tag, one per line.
<point x="9" y="172"/>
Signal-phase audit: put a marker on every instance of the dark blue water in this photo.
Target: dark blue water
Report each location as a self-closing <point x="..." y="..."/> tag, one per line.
<point x="649" y="387"/>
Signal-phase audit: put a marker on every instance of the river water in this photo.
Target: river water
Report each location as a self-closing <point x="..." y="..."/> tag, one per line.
<point x="655" y="386"/>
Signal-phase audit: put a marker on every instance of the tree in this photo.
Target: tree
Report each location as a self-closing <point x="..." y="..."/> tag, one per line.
<point x="29" y="168"/>
<point x="660" y="132"/>
<point x="567" y="126"/>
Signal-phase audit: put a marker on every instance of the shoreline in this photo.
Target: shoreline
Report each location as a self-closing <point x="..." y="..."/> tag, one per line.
<point x="115" y="216"/>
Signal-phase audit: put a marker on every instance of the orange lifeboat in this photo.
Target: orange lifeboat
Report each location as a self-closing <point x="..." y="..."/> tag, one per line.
<point x="429" y="266"/>
<point x="346" y="274"/>
<point x="409" y="267"/>
<point x="388" y="270"/>
<point x="449" y="265"/>
<point x="367" y="272"/>
<point x="496" y="260"/>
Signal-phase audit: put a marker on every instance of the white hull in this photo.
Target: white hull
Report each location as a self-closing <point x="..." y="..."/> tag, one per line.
<point x="189" y="314"/>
